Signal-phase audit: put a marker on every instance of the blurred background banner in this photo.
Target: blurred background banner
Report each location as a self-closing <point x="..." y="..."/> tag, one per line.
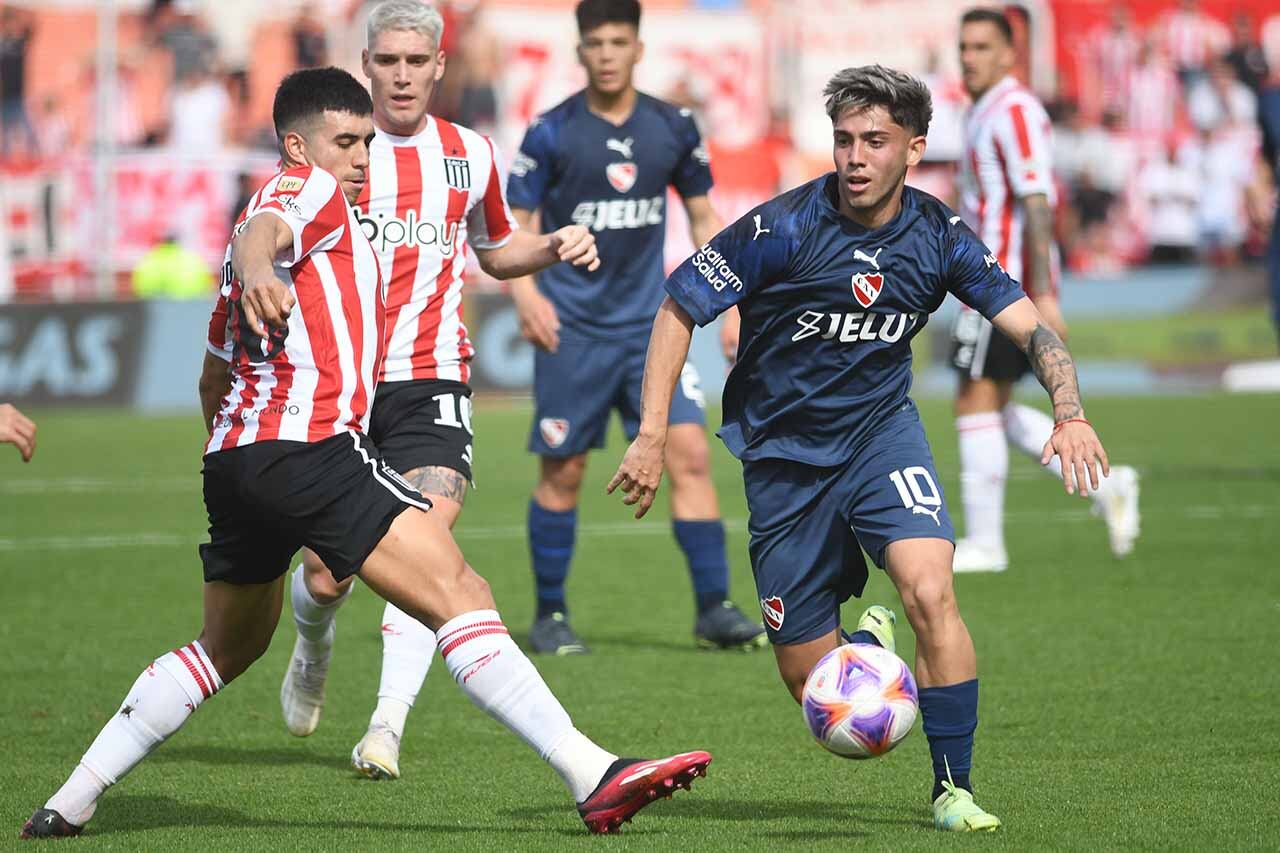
<point x="133" y="131"/>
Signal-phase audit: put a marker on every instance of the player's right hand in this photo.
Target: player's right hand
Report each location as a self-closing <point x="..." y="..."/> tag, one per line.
<point x="267" y="301"/>
<point x="539" y="323"/>
<point x="17" y="429"/>
<point x="640" y="473"/>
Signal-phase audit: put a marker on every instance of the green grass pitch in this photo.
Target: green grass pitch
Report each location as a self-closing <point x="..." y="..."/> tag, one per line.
<point x="1125" y="705"/>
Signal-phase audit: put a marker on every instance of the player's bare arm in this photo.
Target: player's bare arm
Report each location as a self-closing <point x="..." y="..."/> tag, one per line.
<point x="17" y="429"/>
<point x="641" y="468"/>
<point x="526" y="253"/>
<point x="539" y="323"/>
<point x="1073" y="439"/>
<point x="215" y="383"/>
<point x="1038" y="238"/>
<point x="266" y="299"/>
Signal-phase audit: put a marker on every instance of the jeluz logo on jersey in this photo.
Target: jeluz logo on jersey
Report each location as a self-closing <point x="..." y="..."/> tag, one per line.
<point x="716" y="270"/>
<point x="773" y="611"/>
<point x="855" y="326"/>
<point x="386" y="232"/>
<point x="619" y="214"/>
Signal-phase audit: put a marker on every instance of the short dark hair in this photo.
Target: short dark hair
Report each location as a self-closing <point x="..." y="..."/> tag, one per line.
<point x="594" y="13"/>
<point x="905" y="97"/>
<point x="989" y="16"/>
<point x="309" y="93"/>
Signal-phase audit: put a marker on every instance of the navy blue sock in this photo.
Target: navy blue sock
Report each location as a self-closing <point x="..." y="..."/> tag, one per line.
<point x="551" y="536"/>
<point x="950" y="715"/>
<point x="860" y="637"/>
<point x="703" y="546"/>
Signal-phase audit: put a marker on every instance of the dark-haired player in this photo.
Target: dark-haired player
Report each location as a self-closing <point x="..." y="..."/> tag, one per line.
<point x="604" y="158"/>
<point x="288" y="465"/>
<point x="1007" y="197"/>
<point x="832" y="281"/>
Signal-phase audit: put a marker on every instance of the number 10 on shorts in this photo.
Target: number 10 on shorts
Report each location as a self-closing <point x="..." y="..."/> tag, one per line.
<point x="918" y="491"/>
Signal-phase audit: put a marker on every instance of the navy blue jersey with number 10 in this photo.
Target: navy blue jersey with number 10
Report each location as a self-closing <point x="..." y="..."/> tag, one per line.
<point x="829" y="309"/>
<point x="576" y="167"/>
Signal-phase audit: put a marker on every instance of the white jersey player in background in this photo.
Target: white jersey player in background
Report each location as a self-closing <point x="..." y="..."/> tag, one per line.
<point x="1007" y="197"/>
<point x="434" y="189"/>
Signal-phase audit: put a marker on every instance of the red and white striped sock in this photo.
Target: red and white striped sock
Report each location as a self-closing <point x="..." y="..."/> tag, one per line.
<point x="984" y="467"/>
<point x="496" y="676"/>
<point x="156" y="706"/>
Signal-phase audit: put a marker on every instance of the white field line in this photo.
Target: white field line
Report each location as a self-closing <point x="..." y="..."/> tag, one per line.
<point x="158" y="539"/>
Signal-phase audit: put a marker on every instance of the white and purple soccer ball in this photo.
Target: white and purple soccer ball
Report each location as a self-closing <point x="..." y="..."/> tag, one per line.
<point x="860" y="701"/>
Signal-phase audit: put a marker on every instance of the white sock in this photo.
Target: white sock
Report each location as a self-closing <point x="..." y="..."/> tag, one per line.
<point x="496" y="676"/>
<point x="1028" y="430"/>
<point x="408" y="647"/>
<point x="156" y="706"/>
<point x="314" y="620"/>
<point x="984" y="466"/>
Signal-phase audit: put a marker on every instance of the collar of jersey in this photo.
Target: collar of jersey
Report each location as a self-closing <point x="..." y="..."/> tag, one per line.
<point x="905" y="214"/>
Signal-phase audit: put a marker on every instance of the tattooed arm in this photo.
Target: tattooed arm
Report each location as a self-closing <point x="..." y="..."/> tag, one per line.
<point x="1037" y="236"/>
<point x="1074" y="440"/>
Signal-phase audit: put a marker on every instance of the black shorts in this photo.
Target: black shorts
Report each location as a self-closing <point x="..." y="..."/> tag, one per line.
<point x="979" y="351"/>
<point x="267" y="500"/>
<point x="423" y="422"/>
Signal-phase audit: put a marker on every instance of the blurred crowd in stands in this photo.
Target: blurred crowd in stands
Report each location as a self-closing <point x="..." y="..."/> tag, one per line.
<point x="1160" y="153"/>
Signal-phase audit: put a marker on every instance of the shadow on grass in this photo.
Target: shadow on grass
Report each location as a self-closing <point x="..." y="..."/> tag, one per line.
<point x="233" y="756"/>
<point x="845" y="820"/>
<point x="138" y="813"/>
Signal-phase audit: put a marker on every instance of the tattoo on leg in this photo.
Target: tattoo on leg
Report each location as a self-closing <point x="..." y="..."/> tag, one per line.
<point x="1056" y="371"/>
<point x="435" y="480"/>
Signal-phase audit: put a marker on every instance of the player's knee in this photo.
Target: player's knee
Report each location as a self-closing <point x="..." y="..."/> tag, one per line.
<point x="929" y="602"/>
<point x="560" y="482"/>
<point x="320" y="581"/>
<point x="689" y="461"/>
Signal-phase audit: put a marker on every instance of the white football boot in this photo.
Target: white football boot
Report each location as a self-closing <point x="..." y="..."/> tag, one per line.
<point x="974" y="556"/>
<point x="1119" y="507"/>
<point x="302" y="693"/>
<point x="377" y="755"/>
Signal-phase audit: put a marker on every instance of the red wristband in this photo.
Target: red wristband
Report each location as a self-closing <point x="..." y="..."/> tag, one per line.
<point x="1070" y="421"/>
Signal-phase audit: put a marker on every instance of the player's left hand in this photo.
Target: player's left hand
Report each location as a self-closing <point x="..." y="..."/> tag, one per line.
<point x="640" y="473"/>
<point x="1079" y="448"/>
<point x="575" y="244"/>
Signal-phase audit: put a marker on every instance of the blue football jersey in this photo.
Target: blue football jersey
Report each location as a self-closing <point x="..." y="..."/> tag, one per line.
<point x="829" y="309"/>
<point x="576" y="167"/>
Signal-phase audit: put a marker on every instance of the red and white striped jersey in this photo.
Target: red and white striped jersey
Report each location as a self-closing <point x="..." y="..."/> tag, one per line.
<point x="1193" y="38"/>
<point x="427" y="197"/>
<point x="316" y="378"/>
<point x="1008" y="154"/>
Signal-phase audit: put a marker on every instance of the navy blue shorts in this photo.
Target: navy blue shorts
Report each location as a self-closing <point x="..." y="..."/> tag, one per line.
<point x="809" y="525"/>
<point x="577" y="386"/>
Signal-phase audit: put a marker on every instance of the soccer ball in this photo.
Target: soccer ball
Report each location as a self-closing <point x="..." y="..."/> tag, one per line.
<point x="860" y="701"/>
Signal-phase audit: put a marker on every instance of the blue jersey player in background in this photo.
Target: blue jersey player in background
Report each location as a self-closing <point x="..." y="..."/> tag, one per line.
<point x="604" y="159"/>
<point x="832" y="281"/>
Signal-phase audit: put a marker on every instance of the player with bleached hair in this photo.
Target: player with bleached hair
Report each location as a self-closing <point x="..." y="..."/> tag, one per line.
<point x="434" y="190"/>
<point x="832" y="280"/>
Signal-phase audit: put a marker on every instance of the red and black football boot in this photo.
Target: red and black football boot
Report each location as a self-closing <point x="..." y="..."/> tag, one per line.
<point x="630" y="784"/>
<point x="46" y="823"/>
